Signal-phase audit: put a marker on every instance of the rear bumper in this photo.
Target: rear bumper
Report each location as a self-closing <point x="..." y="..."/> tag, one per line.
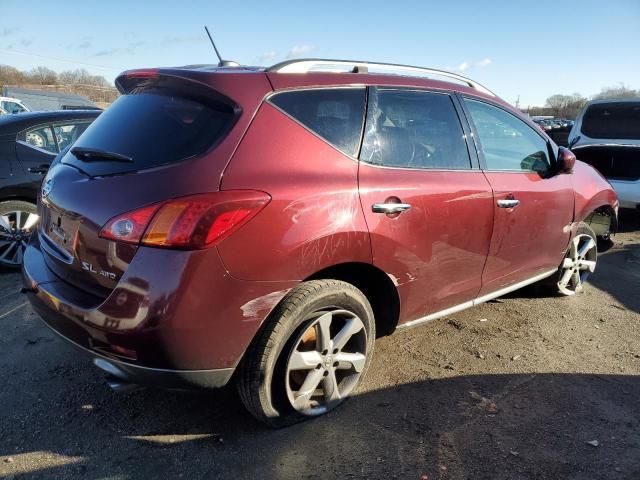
<point x="128" y="373"/>
<point x="628" y="192"/>
<point x="190" y="326"/>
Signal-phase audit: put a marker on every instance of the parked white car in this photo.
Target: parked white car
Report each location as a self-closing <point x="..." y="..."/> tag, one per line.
<point x="606" y="135"/>
<point x="10" y="105"/>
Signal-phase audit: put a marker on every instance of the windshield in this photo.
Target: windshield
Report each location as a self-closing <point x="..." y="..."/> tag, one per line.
<point x="620" y="120"/>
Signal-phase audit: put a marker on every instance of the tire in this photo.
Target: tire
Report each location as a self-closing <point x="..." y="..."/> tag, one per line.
<point x="36" y="139"/>
<point x="270" y="379"/>
<point x="579" y="262"/>
<point x="17" y="220"/>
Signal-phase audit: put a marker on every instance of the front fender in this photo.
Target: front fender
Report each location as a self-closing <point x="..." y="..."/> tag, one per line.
<point x="592" y="191"/>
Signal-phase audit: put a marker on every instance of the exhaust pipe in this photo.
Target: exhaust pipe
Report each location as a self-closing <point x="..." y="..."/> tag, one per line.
<point x="120" y="386"/>
<point x="116" y="378"/>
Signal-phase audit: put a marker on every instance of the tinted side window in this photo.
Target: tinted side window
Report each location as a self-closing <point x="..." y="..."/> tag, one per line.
<point x="506" y="141"/>
<point x="69" y="133"/>
<point x="414" y="130"/>
<point x="40" y="137"/>
<point x="335" y="114"/>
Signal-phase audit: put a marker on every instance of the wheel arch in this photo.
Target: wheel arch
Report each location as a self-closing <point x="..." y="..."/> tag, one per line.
<point x="594" y="199"/>
<point x="19" y="193"/>
<point x="376" y="286"/>
<point x="599" y="214"/>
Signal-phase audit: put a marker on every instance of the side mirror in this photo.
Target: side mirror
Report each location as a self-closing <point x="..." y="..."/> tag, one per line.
<point x="566" y="160"/>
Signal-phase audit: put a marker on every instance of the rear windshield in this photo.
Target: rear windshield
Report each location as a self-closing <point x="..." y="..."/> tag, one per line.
<point x="612" y="120"/>
<point x="153" y="128"/>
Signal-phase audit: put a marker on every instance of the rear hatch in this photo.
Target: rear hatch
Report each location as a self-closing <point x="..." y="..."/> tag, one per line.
<point x="609" y="138"/>
<point x="169" y="135"/>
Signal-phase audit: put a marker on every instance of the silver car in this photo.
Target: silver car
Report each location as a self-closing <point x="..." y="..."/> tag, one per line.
<point x="606" y="134"/>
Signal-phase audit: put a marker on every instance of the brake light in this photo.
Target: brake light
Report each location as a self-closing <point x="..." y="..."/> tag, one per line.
<point x="193" y="222"/>
<point x="143" y="73"/>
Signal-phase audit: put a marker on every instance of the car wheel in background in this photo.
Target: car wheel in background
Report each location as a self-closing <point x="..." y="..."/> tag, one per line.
<point x="311" y="354"/>
<point x="17" y="221"/>
<point x="36" y="139"/>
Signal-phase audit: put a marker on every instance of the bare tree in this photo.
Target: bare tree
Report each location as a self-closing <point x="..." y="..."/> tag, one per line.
<point x="10" y="75"/>
<point x="617" y="92"/>
<point x="79" y="81"/>
<point x="43" y="76"/>
<point x="562" y="106"/>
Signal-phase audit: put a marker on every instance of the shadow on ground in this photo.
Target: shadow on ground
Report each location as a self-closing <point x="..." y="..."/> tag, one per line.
<point x="486" y="426"/>
<point x="628" y="220"/>
<point x="623" y="262"/>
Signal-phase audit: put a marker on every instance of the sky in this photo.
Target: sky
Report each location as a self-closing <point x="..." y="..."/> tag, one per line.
<point x="526" y="50"/>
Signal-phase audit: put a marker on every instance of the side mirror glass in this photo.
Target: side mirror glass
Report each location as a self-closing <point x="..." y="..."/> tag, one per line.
<point x="566" y="160"/>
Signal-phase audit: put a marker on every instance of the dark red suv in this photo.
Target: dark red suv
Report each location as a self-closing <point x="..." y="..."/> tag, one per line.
<point x="265" y="225"/>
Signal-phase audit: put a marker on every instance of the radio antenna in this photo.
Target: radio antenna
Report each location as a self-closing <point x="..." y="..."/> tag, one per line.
<point x="220" y="64"/>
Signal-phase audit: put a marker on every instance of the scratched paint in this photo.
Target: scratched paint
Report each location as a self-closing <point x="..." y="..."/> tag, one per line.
<point x="261" y="306"/>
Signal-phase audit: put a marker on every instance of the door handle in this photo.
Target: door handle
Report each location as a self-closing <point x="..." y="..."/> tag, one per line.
<point x="39" y="169"/>
<point x="508" y="203"/>
<point x="390" y="207"/>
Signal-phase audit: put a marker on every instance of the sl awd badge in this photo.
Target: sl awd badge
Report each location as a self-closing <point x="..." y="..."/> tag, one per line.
<point x="91" y="269"/>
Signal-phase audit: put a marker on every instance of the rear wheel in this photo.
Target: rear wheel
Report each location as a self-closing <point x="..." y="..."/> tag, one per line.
<point x="310" y="356"/>
<point x="578" y="263"/>
<point x="17" y="221"/>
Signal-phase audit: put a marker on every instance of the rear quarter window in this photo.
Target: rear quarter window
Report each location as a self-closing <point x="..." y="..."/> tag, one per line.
<point x="335" y="114"/>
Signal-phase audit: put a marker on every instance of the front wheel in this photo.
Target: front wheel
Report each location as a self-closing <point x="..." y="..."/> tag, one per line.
<point x="578" y="263"/>
<point x="310" y="356"/>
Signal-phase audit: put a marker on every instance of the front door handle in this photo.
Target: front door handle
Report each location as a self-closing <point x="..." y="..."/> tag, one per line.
<point x="390" y="207"/>
<point x="508" y="203"/>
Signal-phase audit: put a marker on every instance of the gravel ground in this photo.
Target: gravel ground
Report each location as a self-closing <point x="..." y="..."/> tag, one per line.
<point x="522" y="387"/>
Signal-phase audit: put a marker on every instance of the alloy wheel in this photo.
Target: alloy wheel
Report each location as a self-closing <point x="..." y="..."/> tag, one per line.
<point x="15" y="229"/>
<point x="326" y="361"/>
<point x="579" y="263"/>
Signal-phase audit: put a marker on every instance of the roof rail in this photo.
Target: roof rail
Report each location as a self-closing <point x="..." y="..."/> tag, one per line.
<point x="306" y="65"/>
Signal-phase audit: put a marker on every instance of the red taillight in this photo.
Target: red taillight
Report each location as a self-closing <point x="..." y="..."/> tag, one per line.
<point x="130" y="226"/>
<point x="193" y="222"/>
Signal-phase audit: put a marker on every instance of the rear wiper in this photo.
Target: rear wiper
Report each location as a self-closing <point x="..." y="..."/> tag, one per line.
<point x="89" y="154"/>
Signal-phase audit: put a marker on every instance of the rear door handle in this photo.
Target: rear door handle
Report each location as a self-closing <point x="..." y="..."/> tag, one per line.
<point x="39" y="169"/>
<point x="390" y="207"/>
<point x="508" y="203"/>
